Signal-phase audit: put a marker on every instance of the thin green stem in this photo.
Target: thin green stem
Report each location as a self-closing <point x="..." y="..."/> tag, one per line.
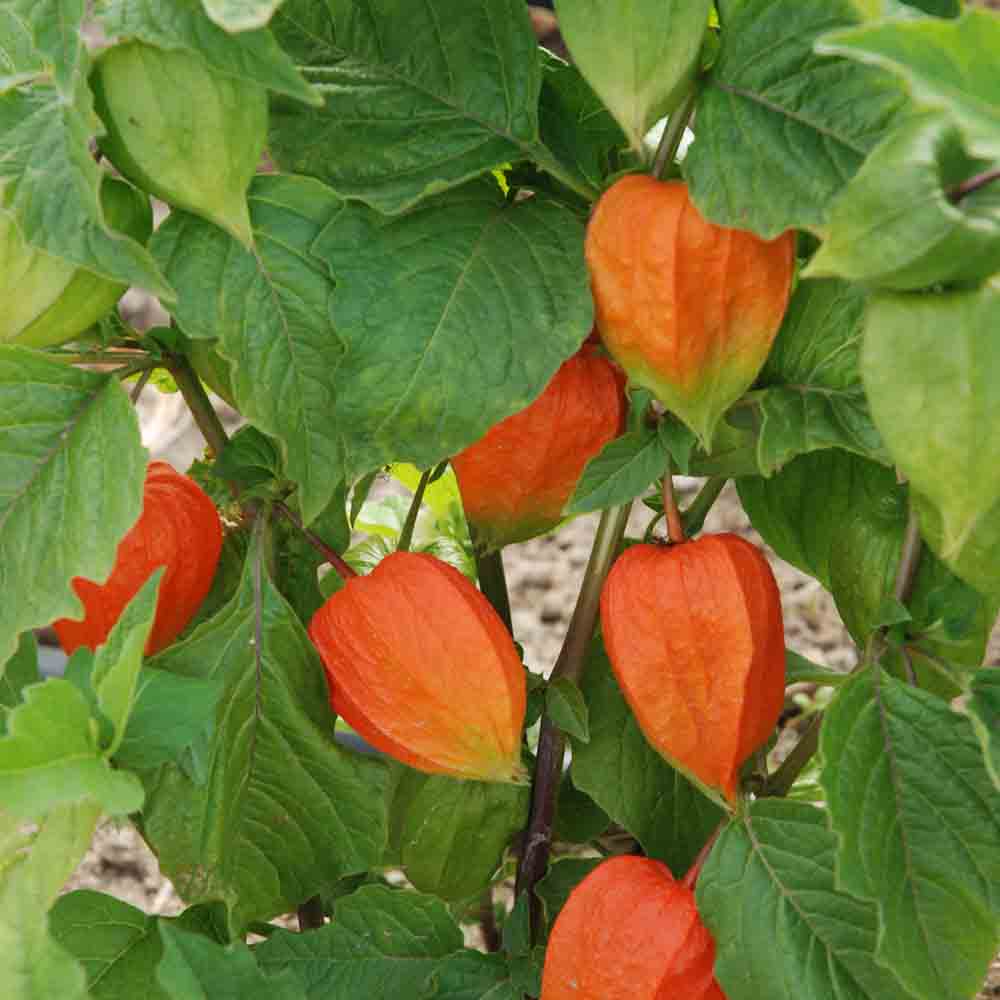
<point x="140" y="384"/>
<point x="198" y="403"/>
<point x="670" y="141"/>
<point x="406" y="535"/>
<point x="493" y="582"/>
<point x="693" y="516"/>
<point x="537" y="838"/>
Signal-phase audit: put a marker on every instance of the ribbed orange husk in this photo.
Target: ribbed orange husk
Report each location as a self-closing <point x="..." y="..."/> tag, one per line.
<point x="695" y="637"/>
<point x="516" y="480"/>
<point x="179" y="528"/>
<point x="629" y="931"/>
<point x="689" y="309"/>
<point x="421" y="666"/>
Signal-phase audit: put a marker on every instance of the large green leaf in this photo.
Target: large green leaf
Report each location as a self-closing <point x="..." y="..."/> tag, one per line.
<point x="812" y="396"/>
<point x="51" y="183"/>
<point x="631" y="782"/>
<point x="452" y="316"/>
<point x="53" y="27"/>
<point x="639" y="56"/>
<point x="194" y="967"/>
<point x="381" y="945"/>
<point x="285" y="811"/>
<point x="241" y="15"/>
<point x="931" y="368"/>
<point x="252" y="55"/>
<point x="771" y="147"/>
<point x="896" y="226"/>
<point x="783" y="927"/>
<point x="16" y="674"/>
<point x="118" y="945"/>
<point x="20" y="60"/>
<point x="451" y="835"/>
<point x="71" y="474"/>
<point x="948" y="64"/>
<point x="918" y="820"/>
<point x="34" y="865"/>
<point x="418" y="98"/>
<point x="273" y="322"/>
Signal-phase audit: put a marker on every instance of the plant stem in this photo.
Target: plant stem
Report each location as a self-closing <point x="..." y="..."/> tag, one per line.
<point x="311" y="915"/>
<point x="694" y="871"/>
<point x="693" y="516"/>
<point x="140" y="384"/>
<point x="537" y="838"/>
<point x="343" y="570"/>
<point x="959" y="191"/>
<point x="779" y="783"/>
<point x="675" y="526"/>
<point x="493" y="582"/>
<point x="406" y="535"/>
<point x="198" y="403"/>
<point x="670" y="141"/>
<point x="909" y="558"/>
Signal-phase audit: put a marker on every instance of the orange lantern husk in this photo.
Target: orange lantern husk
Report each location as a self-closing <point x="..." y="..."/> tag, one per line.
<point x="695" y="637"/>
<point x="629" y="931"/>
<point x="689" y="309"/>
<point x="179" y="528"/>
<point x="420" y="665"/>
<point x="516" y="480"/>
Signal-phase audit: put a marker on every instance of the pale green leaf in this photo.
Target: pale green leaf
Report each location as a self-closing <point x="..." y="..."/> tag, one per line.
<point x="418" y="98"/>
<point x="53" y="27"/>
<point x="919" y="823"/>
<point x="896" y="226"/>
<point x="71" y="474"/>
<point x="241" y="15"/>
<point x="983" y="709"/>
<point x="781" y="130"/>
<point x="381" y="945"/>
<point x="931" y="369"/>
<point x="285" y="812"/>
<point x="783" y="927"/>
<point x="51" y="185"/>
<point x="34" y="865"/>
<point x="948" y="64"/>
<point x="252" y="55"/>
<point x="640" y="57"/>
<point x="20" y="60"/>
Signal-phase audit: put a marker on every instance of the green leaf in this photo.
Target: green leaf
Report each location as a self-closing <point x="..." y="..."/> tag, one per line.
<point x="71" y="468"/>
<point x="17" y="673"/>
<point x="631" y="782"/>
<point x="983" y="709"/>
<point x="765" y="112"/>
<point x="812" y="395"/>
<point x="474" y="88"/>
<point x="423" y="374"/>
<point x="241" y="15"/>
<point x="895" y="225"/>
<point x="20" y="60"/>
<point x="575" y="126"/>
<point x="579" y="818"/>
<point x="54" y="30"/>
<point x="560" y="880"/>
<point x="252" y="55"/>
<point x="935" y="408"/>
<point x="639" y="57"/>
<point x="52" y="183"/>
<point x="621" y="471"/>
<point x="934" y="873"/>
<point x="454" y="833"/>
<point x="196" y="968"/>
<point x="771" y="878"/>
<point x="249" y="458"/>
<point x="381" y="944"/>
<point x="117" y="663"/>
<point x="947" y="64"/>
<point x="34" y="866"/>
<point x="118" y="945"/>
<point x="567" y="709"/>
<point x="273" y="323"/>
<point x="50" y="756"/>
<point x="170" y="714"/>
<point x="279" y="788"/>
<point x="471" y="975"/>
<point x="799" y="670"/>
